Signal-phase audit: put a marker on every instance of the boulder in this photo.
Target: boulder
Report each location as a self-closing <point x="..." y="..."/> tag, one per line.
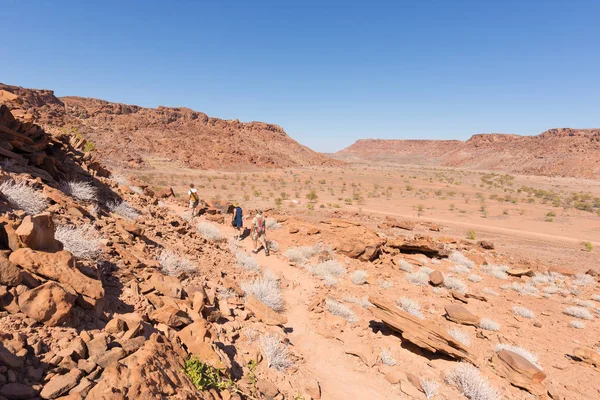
<point x="154" y="371"/>
<point x="422" y="245"/>
<point x="519" y="372"/>
<point x="10" y="274"/>
<point x="49" y="304"/>
<point x="60" y="267"/>
<point x="9" y="359"/>
<point x="171" y="316"/>
<point x="37" y="233"/>
<point x="293" y="230"/>
<point x="461" y="315"/>
<point x="436" y="278"/>
<point x="518" y="272"/>
<point x="313" y="231"/>
<point x="115" y="325"/>
<point x="193" y="335"/>
<point x="110" y="357"/>
<point x="8" y="235"/>
<point x="486" y="244"/>
<point x="424" y="334"/>
<point x="587" y="356"/>
<point x="60" y="384"/>
<point x="364" y="352"/>
<point x="17" y="391"/>
<point x="264" y="313"/>
<point x="166" y="285"/>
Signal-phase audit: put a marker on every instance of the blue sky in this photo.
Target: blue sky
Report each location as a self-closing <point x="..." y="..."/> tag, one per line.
<point x="329" y="72"/>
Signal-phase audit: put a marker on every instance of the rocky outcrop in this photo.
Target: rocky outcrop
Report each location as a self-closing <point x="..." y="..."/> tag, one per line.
<point x="421" y="333"/>
<point x="37" y="233"/>
<point x="519" y="372"/>
<point x="48" y="303"/>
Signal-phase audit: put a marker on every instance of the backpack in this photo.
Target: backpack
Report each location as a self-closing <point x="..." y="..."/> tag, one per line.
<point x="260" y="225"/>
<point x="194" y="196"/>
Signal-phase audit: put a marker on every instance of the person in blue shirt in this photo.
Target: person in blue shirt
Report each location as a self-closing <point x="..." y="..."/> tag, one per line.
<point x="237" y="221"/>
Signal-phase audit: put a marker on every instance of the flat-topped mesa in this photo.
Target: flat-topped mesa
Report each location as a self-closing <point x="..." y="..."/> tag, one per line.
<point x="565" y="152"/>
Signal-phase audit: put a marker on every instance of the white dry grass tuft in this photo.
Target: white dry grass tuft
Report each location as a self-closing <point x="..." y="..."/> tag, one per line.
<point x="523" y="312"/>
<point x="272" y="224"/>
<point x="273" y="246"/>
<point x="410" y="306"/>
<point x="123" y="209"/>
<point x="460" y="335"/>
<point x="596" y="297"/>
<point x="526" y="354"/>
<point x="225" y="293"/>
<point x="490" y="291"/>
<point x="275" y="352"/>
<point x="250" y="334"/>
<point x="359" y="277"/>
<point x="460" y="269"/>
<point x="137" y="190"/>
<point x="459" y="258"/>
<point x="550" y="278"/>
<point x="426" y="270"/>
<point x="549" y="290"/>
<point x="329" y="271"/>
<point x="405" y="265"/>
<point x="430" y="387"/>
<point x="82" y="241"/>
<point x="455" y="284"/>
<point x="361" y="301"/>
<point x="577" y="324"/>
<point x="386" y="358"/>
<point x="83" y="191"/>
<point x="496" y="271"/>
<point x="174" y="265"/>
<point x="584" y="303"/>
<point x="337" y="308"/>
<point x="302" y="254"/>
<point x="387" y="284"/>
<point x="471" y="383"/>
<point x="489" y="325"/>
<point x="522" y="289"/>
<point x="23" y="197"/>
<point x="266" y="290"/>
<point x="209" y="231"/>
<point x="435" y="261"/>
<point x="418" y="278"/>
<point x="474" y="278"/>
<point x="246" y="261"/>
<point x="578" y="312"/>
<point x="583" y="280"/>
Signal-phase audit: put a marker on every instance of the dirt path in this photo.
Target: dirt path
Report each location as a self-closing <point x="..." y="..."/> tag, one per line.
<point x="341" y="376"/>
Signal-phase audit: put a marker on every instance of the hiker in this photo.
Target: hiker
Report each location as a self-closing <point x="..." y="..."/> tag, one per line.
<point x="194" y="199"/>
<point x="237" y="221"/>
<point x="259" y="232"/>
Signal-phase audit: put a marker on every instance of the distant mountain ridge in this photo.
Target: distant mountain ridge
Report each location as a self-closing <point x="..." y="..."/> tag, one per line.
<point x="562" y="152"/>
<point x="128" y="134"/>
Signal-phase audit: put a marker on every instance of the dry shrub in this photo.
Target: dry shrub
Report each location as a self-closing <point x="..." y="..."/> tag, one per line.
<point x="418" y="278"/>
<point x="209" y="231"/>
<point x="523" y="312"/>
<point x="123" y="209"/>
<point x="275" y="352"/>
<point x="337" y="308"/>
<point x="578" y="312"/>
<point x="174" y="265"/>
<point x="410" y="306"/>
<point x="405" y="265"/>
<point x="459" y="258"/>
<point x="359" y="277"/>
<point x="489" y="325"/>
<point x="386" y="358"/>
<point x="266" y="290"/>
<point x="82" y="241"/>
<point x="83" y="191"/>
<point x="460" y="335"/>
<point x="23" y="197"/>
<point x="469" y="381"/>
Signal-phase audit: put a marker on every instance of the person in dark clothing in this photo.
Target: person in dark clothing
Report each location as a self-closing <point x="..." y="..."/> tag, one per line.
<point x="237" y="221"/>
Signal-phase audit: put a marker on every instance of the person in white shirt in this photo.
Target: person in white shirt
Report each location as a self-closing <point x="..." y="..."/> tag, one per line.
<point x="194" y="199"/>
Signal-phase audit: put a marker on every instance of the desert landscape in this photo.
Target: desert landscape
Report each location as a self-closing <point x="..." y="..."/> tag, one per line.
<point x="394" y="272"/>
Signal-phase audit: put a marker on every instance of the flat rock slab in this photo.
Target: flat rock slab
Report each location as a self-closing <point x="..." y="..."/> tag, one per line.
<point x="460" y="315"/>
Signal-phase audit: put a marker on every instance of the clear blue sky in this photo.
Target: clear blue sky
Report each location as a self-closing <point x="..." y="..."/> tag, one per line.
<point x="328" y="72"/>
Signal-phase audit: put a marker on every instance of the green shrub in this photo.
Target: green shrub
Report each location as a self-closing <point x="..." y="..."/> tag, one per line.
<point x="471" y="234"/>
<point x="588" y="246"/>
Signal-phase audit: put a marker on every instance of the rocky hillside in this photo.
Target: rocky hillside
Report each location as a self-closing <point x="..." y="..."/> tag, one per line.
<point x="558" y="152"/>
<point x="130" y="134"/>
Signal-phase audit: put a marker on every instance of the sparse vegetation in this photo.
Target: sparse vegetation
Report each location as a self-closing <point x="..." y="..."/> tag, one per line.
<point x="489" y="325"/>
<point x="418" y="278"/>
<point x="577" y="324"/>
<point x="469" y="381"/>
<point x="588" y="246"/>
<point x="83" y="191"/>
<point x="174" y="265"/>
<point x="82" y="241"/>
<point x="523" y="312"/>
<point x="337" y="308"/>
<point x="361" y="301"/>
<point x="209" y="231"/>
<point x="387" y="284"/>
<point x="471" y="234"/>
<point x="275" y="352"/>
<point x="410" y="306"/>
<point x="474" y="278"/>
<point x="578" y="312"/>
<point x="460" y="335"/>
<point x="302" y="254"/>
<point x="123" y="209"/>
<point x="272" y="224"/>
<point x="583" y="280"/>
<point x="328" y="270"/>
<point x="23" y="197"/>
<point x="266" y="290"/>
<point x="386" y="358"/>
<point x="455" y="284"/>
<point x="359" y="277"/>
<point x="430" y="387"/>
<point x="497" y="271"/>
<point x="405" y="265"/>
